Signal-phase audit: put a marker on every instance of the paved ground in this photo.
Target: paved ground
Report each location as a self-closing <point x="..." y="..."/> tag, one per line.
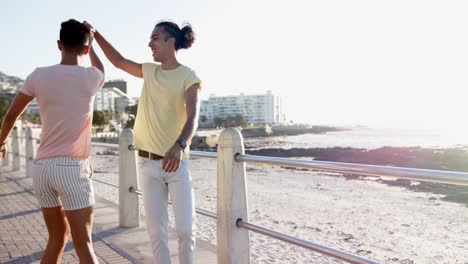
<point x="23" y="234"/>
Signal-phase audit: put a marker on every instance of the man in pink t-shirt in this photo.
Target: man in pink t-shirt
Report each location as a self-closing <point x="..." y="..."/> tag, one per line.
<point x="62" y="172"/>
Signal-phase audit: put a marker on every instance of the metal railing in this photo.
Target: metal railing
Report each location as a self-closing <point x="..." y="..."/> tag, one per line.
<point x="203" y="154"/>
<point x="437" y="176"/>
<point x="254" y="228"/>
<point x="232" y="191"/>
<point x="200" y="211"/>
<point x="107" y="145"/>
<point x="106" y="182"/>
<point x="335" y="253"/>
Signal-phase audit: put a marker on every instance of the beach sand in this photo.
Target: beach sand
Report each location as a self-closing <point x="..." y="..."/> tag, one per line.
<point x="388" y="224"/>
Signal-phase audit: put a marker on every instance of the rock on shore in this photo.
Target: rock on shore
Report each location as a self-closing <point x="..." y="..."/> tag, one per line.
<point x="415" y="157"/>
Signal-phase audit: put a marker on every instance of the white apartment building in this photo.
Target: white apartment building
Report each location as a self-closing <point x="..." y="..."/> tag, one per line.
<point x="33" y="108"/>
<point x="256" y="109"/>
<point x="111" y="98"/>
<point x="105" y="100"/>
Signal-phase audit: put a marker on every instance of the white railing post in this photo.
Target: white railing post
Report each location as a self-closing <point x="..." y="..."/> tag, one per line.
<point x="6" y="160"/>
<point x="232" y="242"/>
<point x="23" y="144"/>
<point x="30" y="155"/>
<point x="129" y="214"/>
<point x="15" y="150"/>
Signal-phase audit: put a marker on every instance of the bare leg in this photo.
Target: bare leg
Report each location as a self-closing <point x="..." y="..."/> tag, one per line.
<point x="81" y="225"/>
<point x="57" y="226"/>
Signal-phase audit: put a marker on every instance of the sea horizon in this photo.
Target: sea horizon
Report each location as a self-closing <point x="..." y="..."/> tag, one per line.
<point x="372" y="137"/>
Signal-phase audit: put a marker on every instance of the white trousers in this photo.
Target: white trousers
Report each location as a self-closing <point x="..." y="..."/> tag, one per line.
<point x="157" y="185"/>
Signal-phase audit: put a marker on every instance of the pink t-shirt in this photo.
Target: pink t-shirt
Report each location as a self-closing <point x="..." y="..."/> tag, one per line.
<point x="65" y="94"/>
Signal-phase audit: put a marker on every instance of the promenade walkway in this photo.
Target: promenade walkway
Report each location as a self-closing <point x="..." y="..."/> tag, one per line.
<point x="23" y="234"/>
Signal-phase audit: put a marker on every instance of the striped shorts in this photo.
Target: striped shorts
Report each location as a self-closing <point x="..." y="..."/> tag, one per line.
<point x="63" y="181"/>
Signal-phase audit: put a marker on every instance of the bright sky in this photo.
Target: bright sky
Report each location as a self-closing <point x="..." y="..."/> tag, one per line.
<point x="393" y="63"/>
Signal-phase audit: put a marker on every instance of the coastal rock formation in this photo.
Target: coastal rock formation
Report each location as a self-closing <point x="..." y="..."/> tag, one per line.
<point x="275" y="131"/>
<point x="299" y="130"/>
<point x="414" y="157"/>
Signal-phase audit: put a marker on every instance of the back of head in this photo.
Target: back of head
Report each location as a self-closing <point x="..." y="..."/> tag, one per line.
<point x="184" y="36"/>
<point x="74" y="36"/>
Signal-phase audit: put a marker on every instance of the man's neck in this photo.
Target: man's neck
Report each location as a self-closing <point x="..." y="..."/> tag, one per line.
<point x="70" y="59"/>
<point x="170" y="64"/>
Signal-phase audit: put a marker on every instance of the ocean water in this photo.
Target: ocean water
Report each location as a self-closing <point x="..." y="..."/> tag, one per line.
<point x="370" y="138"/>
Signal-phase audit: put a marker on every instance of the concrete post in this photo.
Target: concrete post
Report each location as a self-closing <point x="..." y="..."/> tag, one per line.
<point x="6" y="160"/>
<point x="30" y="154"/>
<point x="129" y="214"/>
<point x="15" y="149"/>
<point x="233" y="243"/>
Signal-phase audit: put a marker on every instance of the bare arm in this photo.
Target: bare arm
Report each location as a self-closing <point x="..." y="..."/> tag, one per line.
<point x="192" y="105"/>
<point x="95" y="61"/>
<point x="17" y="107"/>
<point x="114" y="56"/>
<point x="117" y="59"/>
<point x="171" y="160"/>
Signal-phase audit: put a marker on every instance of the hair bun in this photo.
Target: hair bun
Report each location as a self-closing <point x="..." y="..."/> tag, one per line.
<point x="187" y="37"/>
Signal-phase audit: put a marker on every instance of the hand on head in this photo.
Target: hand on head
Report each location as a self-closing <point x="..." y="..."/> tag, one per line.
<point x="89" y="26"/>
<point x="91" y="30"/>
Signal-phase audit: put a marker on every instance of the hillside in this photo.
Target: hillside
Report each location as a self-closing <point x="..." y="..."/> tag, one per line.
<point x="8" y="82"/>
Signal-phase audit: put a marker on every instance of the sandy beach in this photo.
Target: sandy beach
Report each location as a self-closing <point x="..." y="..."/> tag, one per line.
<point x="389" y="224"/>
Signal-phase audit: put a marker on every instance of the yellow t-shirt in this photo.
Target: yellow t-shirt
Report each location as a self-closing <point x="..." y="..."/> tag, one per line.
<point x="161" y="112"/>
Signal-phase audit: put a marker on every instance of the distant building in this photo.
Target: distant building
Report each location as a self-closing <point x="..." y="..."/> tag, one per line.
<point x="33" y="108"/>
<point x="122" y="102"/>
<point x="105" y="100"/>
<point x="113" y="99"/>
<point x="256" y="109"/>
<point x="119" y="84"/>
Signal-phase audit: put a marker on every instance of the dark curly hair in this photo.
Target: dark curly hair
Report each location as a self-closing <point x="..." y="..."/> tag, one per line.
<point x="184" y="36"/>
<point x="74" y="35"/>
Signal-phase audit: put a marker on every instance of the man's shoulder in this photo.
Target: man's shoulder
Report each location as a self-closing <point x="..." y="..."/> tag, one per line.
<point x="186" y="72"/>
<point x="48" y="69"/>
<point x="148" y="69"/>
<point x="187" y="68"/>
<point x="60" y="66"/>
<point x="41" y="70"/>
<point x="45" y="68"/>
<point x="150" y="65"/>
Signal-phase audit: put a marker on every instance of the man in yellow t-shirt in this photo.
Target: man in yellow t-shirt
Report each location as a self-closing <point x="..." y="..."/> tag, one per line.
<point x="166" y="121"/>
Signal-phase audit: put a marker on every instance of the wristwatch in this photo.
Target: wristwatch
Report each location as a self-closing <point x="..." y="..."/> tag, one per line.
<point x="182" y="143"/>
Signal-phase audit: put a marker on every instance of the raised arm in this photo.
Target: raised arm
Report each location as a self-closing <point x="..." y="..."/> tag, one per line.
<point x="115" y="57"/>
<point x="95" y="61"/>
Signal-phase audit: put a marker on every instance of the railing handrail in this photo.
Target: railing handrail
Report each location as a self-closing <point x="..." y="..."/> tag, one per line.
<point x="195" y="153"/>
<point x="275" y="234"/>
<point x="438" y="176"/>
<point x="139" y="192"/>
<point x="338" y="254"/>
<point x="107" y="145"/>
<point x="203" y="154"/>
